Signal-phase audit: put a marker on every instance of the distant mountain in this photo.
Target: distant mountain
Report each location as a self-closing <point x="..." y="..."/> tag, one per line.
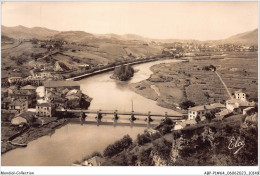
<point x="249" y="38"/>
<point x="73" y="36"/>
<point x="21" y="32"/>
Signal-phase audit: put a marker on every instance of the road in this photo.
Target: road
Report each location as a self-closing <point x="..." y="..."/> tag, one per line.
<point x="224" y="84"/>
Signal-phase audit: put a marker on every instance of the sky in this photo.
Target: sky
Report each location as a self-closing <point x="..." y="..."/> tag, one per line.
<point x="158" y="20"/>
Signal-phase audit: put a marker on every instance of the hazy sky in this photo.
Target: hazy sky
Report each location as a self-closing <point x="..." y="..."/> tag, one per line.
<point x="178" y="20"/>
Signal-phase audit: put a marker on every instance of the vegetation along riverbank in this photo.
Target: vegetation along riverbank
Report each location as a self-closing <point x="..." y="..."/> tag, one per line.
<point x="207" y="143"/>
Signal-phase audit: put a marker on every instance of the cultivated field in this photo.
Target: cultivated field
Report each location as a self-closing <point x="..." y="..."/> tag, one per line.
<point x="189" y="80"/>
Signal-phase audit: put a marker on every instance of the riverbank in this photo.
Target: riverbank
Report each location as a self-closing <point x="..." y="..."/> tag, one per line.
<point x="33" y="133"/>
<point x="202" y="144"/>
<point x="161" y="87"/>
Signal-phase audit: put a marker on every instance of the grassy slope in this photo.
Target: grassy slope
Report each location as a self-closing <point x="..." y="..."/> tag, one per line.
<point x="205" y="144"/>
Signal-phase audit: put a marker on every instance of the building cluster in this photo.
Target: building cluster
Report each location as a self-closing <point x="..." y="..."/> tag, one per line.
<point x="193" y="49"/>
<point x="59" y="94"/>
<point x="24" y="100"/>
<point x="237" y="104"/>
<point x="18" y="99"/>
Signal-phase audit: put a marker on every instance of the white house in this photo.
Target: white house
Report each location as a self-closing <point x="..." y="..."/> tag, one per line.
<point x="240" y="95"/>
<point x="197" y="110"/>
<point x="202" y="110"/>
<point x="232" y="104"/>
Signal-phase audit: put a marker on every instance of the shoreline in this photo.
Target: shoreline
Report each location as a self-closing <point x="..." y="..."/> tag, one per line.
<point x="155" y="89"/>
<point x="32" y="134"/>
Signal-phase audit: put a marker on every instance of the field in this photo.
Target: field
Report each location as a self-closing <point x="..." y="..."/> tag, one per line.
<point x="16" y="58"/>
<point x="24" y="56"/>
<point x="189" y="80"/>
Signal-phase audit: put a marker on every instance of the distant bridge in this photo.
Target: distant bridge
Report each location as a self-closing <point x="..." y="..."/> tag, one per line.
<point x="108" y="69"/>
<point x="132" y="115"/>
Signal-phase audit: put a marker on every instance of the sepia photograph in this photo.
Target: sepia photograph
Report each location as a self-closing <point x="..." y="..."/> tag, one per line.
<point x="129" y="83"/>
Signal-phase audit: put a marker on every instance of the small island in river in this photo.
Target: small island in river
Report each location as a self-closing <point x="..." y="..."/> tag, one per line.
<point x="123" y="72"/>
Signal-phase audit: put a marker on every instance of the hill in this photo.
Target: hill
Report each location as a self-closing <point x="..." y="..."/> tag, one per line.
<point x="21" y="32"/>
<point x="249" y="38"/>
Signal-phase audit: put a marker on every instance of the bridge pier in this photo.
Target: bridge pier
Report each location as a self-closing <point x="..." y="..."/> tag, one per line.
<point x="115" y="118"/>
<point x="99" y="117"/>
<point x="166" y="116"/>
<point x="132" y="118"/>
<point x="149" y="119"/>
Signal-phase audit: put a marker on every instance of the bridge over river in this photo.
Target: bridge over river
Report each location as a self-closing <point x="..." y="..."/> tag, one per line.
<point x="116" y="116"/>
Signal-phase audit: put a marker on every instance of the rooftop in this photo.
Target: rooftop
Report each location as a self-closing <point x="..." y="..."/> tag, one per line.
<point x="27" y="115"/>
<point x="15" y="77"/>
<point x="239" y="91"/>
<point x="44" y="104"/>
<point x="198" y="108"/>
<point x="28" y="87"/>
<point x="205" y="107"/>
<point x="67" y="83"/>
<point x="17" y="102"/>
<point x="240" y="102"/>
<point x="7" y="100"/>
<point x="21" y="92"/>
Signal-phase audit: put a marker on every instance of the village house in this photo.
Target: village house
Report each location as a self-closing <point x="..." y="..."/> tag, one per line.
<point x="58" y="86"/>
<point x="45" y="110"/>
<point x="95" y="161"/>
<point x="84" y="66"/>
<point x="27" y="95"/>
<point x="238" y="104"/>
<point x="44" y="74"/>
<point x="19" y="105"/>
<point x="6" y="102"/>
<point x="14" y="79"/>
<point x="202" y="110"/>
<point x="182" y="124"/>
<point x="29" y="87"/>
<point x="60" y="103"/>
<point x="51" y="96"/>
<point x="240" y="95"/>
<point x="197" y="110"/>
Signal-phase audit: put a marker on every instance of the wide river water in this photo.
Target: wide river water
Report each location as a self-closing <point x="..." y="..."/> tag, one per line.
<point x="74" y="141"/>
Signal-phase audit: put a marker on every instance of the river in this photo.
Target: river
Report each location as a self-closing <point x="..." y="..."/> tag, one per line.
<point x="74" y="141"/>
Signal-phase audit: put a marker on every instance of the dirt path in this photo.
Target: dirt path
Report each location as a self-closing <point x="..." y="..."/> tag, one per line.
<point x="224" y="84"/>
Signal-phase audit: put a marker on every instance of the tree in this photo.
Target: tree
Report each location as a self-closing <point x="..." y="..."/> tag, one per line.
<point x="198" y="119"/>
<point x="124" y="72"/>
<point x="143" y="139"/>
<point x="118" y="146"/>
<point x="186" y="104"/>
<point x="209" y="116"/>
